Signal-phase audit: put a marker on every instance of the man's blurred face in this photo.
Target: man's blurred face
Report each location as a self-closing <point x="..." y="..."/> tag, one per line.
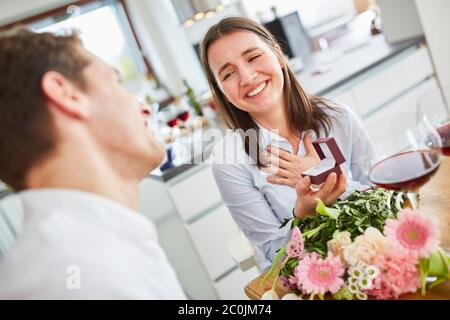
<point x="118" y="121"/>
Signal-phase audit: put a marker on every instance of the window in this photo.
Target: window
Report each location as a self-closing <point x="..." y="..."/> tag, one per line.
<point x="104" y="30"/>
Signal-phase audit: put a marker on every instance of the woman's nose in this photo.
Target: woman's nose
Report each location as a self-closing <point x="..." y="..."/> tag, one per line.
<point x="248" y="75"/>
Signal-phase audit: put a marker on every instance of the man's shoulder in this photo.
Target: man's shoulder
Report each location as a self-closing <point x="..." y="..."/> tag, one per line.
<point x="75" y="268"/>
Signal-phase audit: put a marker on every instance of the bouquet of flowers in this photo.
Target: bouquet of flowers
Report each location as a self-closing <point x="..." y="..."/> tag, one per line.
<point x="367" y="245"/>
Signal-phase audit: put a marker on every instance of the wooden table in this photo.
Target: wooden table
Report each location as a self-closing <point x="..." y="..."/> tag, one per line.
<point x="434" y="201"/>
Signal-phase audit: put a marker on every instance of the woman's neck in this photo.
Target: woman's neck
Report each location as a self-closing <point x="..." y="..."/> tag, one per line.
<point x="276" y="119"/>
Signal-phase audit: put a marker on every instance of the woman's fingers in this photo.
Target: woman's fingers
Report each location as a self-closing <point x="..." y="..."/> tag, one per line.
<point x="277" y="162"/>
<point x="282" y="154"/>
<point x="341" y="187"/>
<point x="303" y="185"/>
<point x="283" y="181"/>
<point x="328" y="186"/>
<point x="284" y="173"/>
<point x="270" y="169"/>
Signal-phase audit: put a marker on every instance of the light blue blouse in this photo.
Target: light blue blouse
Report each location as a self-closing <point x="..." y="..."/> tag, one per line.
<point x="259" y="207"/>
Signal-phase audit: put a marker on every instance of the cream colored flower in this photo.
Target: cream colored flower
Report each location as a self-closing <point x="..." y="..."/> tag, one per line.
<point x="365" y="248"/>
<point x="338" y="243"/>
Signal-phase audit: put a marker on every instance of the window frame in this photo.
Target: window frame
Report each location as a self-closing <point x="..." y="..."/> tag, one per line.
<point x="122" y="14"/>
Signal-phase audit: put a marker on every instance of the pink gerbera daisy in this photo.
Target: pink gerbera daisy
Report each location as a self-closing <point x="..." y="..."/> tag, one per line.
<point x="413" y="232"/>
<point x="317" y="276"/>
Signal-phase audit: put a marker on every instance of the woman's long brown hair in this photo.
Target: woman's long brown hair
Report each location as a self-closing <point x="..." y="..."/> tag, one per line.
<point x="304" y="111"/>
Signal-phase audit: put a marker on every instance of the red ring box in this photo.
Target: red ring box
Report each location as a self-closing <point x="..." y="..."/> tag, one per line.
<point x="331" y="158"/>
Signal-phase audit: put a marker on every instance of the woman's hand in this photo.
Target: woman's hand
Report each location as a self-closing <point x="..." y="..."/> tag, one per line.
<point x="333" y="187"/>
<point x="287" y="167"/>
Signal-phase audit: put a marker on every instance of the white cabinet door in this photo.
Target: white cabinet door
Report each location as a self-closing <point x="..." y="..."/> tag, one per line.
<point x="212" y="235"/>
<point x="232" y="286"/>
<point x="195" y="193"/>
<point x="395" y="79"/>
<point x="344" y="98"/>
<point x="398" y="115"/>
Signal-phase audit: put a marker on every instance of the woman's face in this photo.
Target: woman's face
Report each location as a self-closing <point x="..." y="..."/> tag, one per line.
<point x="248" y="71"/>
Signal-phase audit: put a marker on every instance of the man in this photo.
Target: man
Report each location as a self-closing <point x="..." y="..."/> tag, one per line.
<point x="75" y="145"/>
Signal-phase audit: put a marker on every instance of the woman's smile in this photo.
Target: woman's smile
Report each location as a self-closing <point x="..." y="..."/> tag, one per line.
<point x="256" y="91"/>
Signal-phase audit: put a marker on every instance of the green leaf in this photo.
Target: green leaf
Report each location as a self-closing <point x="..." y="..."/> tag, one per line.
<point x="313" y="232"/>
<point x="437" y="282"/>
<point x="275" y="263"/>
<point x="423" y="268"/>
<point x="343" y="294"/>
<point x="438" y="264"/>
<point x="323" y="210"/>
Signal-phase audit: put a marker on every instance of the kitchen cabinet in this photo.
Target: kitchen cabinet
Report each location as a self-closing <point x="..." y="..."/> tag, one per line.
<point x="226" y="287"/>
<point x="196" y="232"/>
<point x="195" y="194"/>
<point x="391" y="88"/>
<point x="404" y="106"/>
<point x="211" y="236"/>
<point x="391" y="80"/>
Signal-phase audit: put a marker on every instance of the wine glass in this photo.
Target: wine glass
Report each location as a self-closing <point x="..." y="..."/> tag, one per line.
<point x="409" y="153"/>
<point x="435" y="107"/>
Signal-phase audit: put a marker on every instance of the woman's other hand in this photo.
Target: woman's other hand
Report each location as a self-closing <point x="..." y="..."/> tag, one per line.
<point x="286" y="168"/>
<point x="333" y="187"/>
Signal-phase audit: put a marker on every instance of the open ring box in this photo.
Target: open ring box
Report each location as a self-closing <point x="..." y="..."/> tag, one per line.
<point x="331" y="158"/>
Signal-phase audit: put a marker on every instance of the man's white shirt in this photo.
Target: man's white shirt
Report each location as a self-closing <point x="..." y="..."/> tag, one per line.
<point x="79" y="245"/>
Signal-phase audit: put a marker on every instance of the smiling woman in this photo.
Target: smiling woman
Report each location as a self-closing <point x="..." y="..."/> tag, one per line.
<point x="257" y="93"/>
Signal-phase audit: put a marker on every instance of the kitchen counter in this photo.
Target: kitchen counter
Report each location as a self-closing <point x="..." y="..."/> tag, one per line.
<point x="321" y="76"/>
<point x="325" y="72"/>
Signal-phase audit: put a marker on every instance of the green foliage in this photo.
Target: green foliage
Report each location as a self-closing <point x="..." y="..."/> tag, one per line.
<point x="358" y="212"/>
<point x="362" y="209"/>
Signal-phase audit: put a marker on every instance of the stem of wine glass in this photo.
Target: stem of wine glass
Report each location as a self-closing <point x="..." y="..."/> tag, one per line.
<point x="413" y="198"/>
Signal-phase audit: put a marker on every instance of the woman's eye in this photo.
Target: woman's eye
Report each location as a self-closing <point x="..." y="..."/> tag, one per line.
<point x="227" y="75"/>
<point x="254" y="57"/>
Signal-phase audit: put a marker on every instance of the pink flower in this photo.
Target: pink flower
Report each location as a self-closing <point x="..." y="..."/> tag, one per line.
<point x="317" y="276"/>
<point x="296" y="246"/>
<point x="288" y="283"/>
<point x="399" y="274"/>
<point x="413" y="232"/>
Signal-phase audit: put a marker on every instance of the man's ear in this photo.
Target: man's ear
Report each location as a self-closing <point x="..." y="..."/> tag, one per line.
<point x="64" y="95"/>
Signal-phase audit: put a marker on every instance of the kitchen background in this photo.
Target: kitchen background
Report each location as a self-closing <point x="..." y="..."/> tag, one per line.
<point x="378" y="57"/>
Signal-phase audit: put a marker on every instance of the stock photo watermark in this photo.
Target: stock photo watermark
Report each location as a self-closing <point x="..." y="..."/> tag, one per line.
<point x="73" y="281"/>
<point x="228" y="146"/>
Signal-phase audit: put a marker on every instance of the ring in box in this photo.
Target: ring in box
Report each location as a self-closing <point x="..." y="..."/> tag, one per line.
<point x="330" y="159"/>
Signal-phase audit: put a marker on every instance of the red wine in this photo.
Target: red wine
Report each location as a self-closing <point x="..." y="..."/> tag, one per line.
<point x="173" y="122"/>
<point x="444" y="132"/>
<point x="406" y="171"/>
<point x="183" y="116"/>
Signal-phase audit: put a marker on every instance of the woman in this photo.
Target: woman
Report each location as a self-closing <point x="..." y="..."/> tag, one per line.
<point x="257" y="91"/>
